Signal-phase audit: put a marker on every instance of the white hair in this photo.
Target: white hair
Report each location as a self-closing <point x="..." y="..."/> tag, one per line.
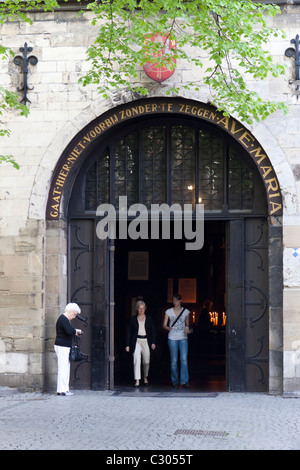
<point x="139" y="304"/>
<point x="72" y="308"/>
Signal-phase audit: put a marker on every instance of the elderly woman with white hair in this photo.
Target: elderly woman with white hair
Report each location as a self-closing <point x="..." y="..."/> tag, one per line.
<point x="140" y="340"/>
<point x="62" y="345"/>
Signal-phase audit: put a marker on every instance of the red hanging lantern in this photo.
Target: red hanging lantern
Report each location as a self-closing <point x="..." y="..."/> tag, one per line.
<point x="153" y="69"/>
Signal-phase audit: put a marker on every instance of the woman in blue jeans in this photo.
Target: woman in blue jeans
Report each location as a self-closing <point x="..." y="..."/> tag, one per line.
<point x="176" y="322"/>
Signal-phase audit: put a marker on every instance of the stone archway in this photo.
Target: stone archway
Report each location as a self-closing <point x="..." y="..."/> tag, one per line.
<point x="40" y="192"/>
<point x="77" y="150"/>
<point x="87" y="138"/>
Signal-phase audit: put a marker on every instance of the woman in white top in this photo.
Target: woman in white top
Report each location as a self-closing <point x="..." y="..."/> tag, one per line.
<point x="140" y="341"/>
<point x="176" y="321"/>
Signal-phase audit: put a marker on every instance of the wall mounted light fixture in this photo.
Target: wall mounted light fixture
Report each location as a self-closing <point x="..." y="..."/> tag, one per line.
<point x="24" y="62"/>
<point x="295" y="52"/>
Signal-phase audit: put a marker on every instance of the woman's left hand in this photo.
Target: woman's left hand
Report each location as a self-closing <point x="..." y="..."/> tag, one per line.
<point x="153" y="346"/>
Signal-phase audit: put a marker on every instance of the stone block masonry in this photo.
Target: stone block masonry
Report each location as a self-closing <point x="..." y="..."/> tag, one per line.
<point x="33" y="251"/>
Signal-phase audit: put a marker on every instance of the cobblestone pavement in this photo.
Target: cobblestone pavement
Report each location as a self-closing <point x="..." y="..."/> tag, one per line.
<point x="139" y="420"/>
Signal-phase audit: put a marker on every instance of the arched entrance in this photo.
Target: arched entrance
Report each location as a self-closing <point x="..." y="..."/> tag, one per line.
<point x="171" y="151"/>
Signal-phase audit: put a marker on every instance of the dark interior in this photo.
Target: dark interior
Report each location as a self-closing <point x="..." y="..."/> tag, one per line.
<point x="169" y="260"/>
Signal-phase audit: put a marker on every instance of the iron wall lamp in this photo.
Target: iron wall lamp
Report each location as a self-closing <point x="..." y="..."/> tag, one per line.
<point x="294" y="52"/>
<point x="24" y="62"/>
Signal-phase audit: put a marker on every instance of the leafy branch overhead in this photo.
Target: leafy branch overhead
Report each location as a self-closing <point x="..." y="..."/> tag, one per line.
<point x="223" y="43"/>
<point x="226" y="40"/>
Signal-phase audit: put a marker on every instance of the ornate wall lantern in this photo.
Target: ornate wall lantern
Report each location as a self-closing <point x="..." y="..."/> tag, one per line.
<point x="24" y="62"/>
<point x="294" y="52"/>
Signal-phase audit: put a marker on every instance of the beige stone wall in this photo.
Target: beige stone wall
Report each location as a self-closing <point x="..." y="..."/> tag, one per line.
<point x="291" y="312"/>
<point x="33" y="277"/>
<point x="22" y="307"/>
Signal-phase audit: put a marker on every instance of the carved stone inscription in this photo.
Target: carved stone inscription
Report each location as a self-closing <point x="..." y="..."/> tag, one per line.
<point x="177" y="107"/>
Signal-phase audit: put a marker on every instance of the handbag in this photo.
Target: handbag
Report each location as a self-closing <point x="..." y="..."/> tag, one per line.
<point x="75" y="354"/>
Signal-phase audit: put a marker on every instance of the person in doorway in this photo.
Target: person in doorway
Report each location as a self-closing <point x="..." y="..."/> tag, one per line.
<point x="204" y="326"/>
<point x="176" y="322"/>
<point x="204" y="318"/>
<point x="62" y="345"/>
<point x="140" y="341"/>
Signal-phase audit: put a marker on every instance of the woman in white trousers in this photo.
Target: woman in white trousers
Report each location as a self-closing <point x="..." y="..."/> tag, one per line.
<point x="63" y="343"/>
<point x="140" y="341"/>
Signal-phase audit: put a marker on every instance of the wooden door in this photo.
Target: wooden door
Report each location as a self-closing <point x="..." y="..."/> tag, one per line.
<point x="247" y="305"/>
<point x="88" y="271"/>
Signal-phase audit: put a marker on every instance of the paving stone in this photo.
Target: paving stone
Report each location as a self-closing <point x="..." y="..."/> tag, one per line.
<point x="131" y="420"/>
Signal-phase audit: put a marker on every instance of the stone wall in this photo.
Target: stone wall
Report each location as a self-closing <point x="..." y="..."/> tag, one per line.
<point x="33" y="276"/>
<point x="22" y="307"/>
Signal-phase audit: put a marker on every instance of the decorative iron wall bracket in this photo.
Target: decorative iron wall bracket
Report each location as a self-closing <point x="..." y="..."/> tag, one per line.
<point x="295" y="52"/>
<point x="24" y="62"/>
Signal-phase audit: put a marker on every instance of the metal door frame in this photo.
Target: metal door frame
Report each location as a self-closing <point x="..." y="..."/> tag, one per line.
<point x="275" y="259"/>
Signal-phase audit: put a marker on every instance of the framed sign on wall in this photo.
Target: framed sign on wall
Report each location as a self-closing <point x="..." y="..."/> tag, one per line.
<point x="187" y="288"/>
<point x="138" y="265"/>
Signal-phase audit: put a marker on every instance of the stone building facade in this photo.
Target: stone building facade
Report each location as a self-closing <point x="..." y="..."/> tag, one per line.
<point x="34" y="244"/>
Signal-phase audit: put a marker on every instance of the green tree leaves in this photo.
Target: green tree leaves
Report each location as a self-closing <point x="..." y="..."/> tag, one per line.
<point x="223" y="42"/>
<point x="232" y="35"/>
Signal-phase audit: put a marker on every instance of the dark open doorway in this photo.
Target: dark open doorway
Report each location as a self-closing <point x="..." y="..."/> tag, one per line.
<point x="168" y="263"/>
